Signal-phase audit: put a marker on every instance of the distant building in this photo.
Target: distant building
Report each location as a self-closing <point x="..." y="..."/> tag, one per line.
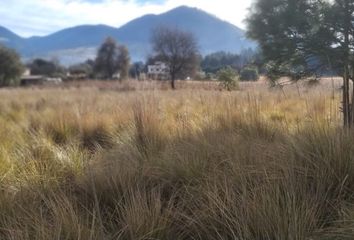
<point x="116" y="76"/>
<point x="159" y="71"/>
<point x="27" y="72"/>
<point x="76" y="76"/>
<point x="32" y="80"/>
<point x="28" y="80"/>
<point x="57" y="80"/>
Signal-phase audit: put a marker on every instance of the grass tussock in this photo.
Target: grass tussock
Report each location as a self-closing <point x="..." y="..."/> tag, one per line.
<point x="174" y="165"/>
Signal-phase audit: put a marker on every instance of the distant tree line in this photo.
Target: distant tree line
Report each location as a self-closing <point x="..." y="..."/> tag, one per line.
<point x="176" y="48"/>
<point x="214" y="62"/>
<point x="248" y="63"/>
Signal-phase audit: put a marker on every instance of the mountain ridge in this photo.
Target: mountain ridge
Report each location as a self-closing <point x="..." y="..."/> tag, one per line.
<point x="212" y="34"/>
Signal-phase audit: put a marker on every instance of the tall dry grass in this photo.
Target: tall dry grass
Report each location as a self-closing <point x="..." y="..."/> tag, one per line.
<point x="82" y="163"/>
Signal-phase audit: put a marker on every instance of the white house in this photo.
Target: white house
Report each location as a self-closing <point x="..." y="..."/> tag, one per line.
<point x="158" y="71"/>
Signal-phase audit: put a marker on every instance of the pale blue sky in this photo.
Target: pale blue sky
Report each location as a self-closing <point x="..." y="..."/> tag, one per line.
<point x="41" y="17"/>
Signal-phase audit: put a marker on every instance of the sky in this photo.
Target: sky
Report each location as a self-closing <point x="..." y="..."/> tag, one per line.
<point x="41" y="17"/>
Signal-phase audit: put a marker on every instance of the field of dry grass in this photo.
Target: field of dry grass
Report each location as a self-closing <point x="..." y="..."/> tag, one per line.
<point x="139" y="163"/>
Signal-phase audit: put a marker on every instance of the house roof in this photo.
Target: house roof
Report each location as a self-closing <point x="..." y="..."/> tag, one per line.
<point x="32" y="77"/>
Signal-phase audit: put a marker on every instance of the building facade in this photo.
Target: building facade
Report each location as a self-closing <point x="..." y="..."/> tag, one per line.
<point x="158" y="71"/>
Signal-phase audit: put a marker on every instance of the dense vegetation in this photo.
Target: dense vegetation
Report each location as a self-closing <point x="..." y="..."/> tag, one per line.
<point x="95" y="164"/>
<point x="214" y="62"/>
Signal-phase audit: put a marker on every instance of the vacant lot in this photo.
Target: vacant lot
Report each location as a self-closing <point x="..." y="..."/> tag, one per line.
<point x="103" y="162"/>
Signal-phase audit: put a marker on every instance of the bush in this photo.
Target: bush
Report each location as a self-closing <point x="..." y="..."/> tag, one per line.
<point x="249" y="74"/>
<point x="228" y="78"/>
<point x="10" y="67"/>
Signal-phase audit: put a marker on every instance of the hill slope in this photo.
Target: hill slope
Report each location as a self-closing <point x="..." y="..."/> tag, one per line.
<point x="12" y="40"/>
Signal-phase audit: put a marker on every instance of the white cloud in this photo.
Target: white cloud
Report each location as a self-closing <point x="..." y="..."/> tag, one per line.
<point x="41" y="17"/>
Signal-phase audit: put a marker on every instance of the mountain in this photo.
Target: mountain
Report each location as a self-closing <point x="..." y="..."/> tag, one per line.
<point x="71" y="38"/>
<point x="79" y="43"/>
<point x="212" y="33"/>
<point x="11" y="40"/>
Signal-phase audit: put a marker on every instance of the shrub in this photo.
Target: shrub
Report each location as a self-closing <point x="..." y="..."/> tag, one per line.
<point x="228" y="79"/>
<point x="249" y="74"/>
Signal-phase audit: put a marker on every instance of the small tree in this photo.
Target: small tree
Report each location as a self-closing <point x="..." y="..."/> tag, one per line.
<point x="176" y="48"/>
<point x="112" y="59"/>
<point x="123" y="61"/>
<point x="228" y="78"/>
<point x="11" y="67"/>
<point x="249" y="74"/>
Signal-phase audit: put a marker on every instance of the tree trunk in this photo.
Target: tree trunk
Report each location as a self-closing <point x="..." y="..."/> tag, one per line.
<point x="173" y="86"/>
<point x="352" y="97"/>
<point x="346" y="87"/>
<point x="346" y="110"/>
<point x="173" y="80"/>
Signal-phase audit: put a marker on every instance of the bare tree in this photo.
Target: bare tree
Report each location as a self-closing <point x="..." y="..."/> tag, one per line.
<point x="176" y="48"/>
<point x="111" y="59"/>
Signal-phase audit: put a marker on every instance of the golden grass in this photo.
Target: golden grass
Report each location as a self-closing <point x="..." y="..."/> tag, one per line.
<point x="93" y="163"/>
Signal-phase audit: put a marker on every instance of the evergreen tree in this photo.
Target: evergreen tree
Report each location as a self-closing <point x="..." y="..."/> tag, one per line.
<point x="300" y="38"/>
<point x="11" y="67"/>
